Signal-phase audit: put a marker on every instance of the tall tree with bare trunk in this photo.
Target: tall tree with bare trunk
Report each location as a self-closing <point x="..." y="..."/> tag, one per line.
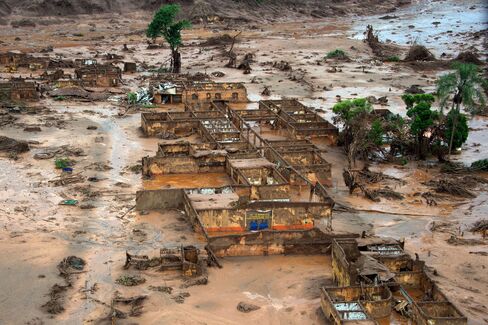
<point x="165" y="24"/>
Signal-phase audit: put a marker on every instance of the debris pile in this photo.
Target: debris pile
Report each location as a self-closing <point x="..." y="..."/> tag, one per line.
<point x="282" y="65"/>
<point x="360" y="179"/>
<point x="223" y="39"/>
<point x="480" y="226"/>
<point x="61" y="151"/>
<point x="189" y="259"/>
<point x="469" y="57"/>
<point x="374" y="43"/>
<point x="452" y="187"/>
<point x="67" y="268"/>
<point x="10" y="145"/>
<point x="419" y="53"/>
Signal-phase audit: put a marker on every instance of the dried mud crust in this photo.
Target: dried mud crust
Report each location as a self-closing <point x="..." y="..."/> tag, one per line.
<point x="246" y="10"/>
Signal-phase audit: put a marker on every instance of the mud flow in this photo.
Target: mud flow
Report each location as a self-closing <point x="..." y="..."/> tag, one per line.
<point x="227" y="192"/>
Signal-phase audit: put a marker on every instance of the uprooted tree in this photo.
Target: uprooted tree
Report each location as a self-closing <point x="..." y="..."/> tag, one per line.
<point x="164" y="24"/>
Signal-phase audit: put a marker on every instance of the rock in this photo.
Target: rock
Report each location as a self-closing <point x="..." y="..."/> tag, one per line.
<point x="244" y="307"/>
<point x="32" y="129"/>
<point x="414" y="89"/>
<point x="180" y="298"/>
<point x="87" y="206"/>
<point x="92" y="127"/>
<point x="217" y="74"/>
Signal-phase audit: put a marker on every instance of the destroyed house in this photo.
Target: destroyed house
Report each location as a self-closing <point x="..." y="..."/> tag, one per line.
<point x="256" y="193"/>
<point x="374" y="274"/>
<point x="299" y="120"/>
<point x="17" y="59"/>
<point x="99" y="75"/>
<point x="19" y="90"/>
<point x="12" y="58"/>
<point x="199" y="92"/>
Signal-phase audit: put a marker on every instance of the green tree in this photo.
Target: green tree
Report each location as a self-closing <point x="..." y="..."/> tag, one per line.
<point x="422" y="118"/>
<point x="458" y="135"/>
<point x="464" y="87"/>
<point x="164" y="24"/>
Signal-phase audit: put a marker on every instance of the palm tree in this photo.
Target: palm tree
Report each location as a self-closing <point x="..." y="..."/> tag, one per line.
<point x="465" y="86"/>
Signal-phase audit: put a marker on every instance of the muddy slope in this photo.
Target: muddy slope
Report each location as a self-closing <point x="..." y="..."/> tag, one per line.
<point x="196" y="9"/>
<point x="4" y="8"/>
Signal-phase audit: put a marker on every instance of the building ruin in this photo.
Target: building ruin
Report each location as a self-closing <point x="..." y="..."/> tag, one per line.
<point x="377" y="281"/>
<point x="94" y="75"/>
<point x="16" y="60"/>
<point x="268" y="180"/>
<point x="19" y="90"/>
<point x="197" y="93"/>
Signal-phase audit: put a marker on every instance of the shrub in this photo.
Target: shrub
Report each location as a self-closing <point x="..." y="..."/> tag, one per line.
<point x="131" y="98"/>
<point x="336" y="54"/>
<point x="62" y="163"/>
<point x="480" y="165"/>
<point x="393" y="58"/>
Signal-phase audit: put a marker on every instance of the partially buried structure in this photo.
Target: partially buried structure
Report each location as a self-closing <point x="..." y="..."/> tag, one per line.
<point x="95" y="75"/>
<point x="378" y="282"/>
<point x="196" y="93"/>
<point x="269" y="182"/>
<point x="16" y="90"/>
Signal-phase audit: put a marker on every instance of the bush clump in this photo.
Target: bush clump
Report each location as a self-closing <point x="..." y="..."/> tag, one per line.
<point x="337" y="54"/>
<point x="481" y="164"/>
<point x="393" y="58"/>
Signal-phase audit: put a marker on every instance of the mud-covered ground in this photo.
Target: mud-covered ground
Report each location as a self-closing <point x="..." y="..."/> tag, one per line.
<point x="36" y="233"/>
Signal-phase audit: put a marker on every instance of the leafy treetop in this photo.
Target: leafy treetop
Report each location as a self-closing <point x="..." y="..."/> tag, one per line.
<point x="466" y="85"/>
<point x="422" y="117"/>
<point x="412" y="99"/>
<point x="349" y="109"/>
<point x="164" y="24"/>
